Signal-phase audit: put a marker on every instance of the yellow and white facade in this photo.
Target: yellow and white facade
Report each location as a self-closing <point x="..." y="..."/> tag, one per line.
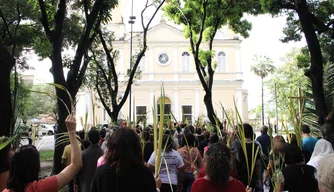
<point x="168" y="61"/>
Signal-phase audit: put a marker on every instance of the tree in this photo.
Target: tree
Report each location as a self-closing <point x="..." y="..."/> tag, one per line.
<point x="313" y="19"/>
<point x="41" y="104"/>
<point x="201" y="20"/>
<point x="262" y="69"/>
<point x="288" y="78"/>
<point x="104" y="78"/>
<point x="15" y="28"/>
<point x="66" y="25"/>
<point x="19" y="89"/>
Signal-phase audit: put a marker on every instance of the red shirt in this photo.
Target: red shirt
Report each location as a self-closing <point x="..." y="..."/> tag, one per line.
<point x="49" y="184"/>
<point x="203" y="185"/>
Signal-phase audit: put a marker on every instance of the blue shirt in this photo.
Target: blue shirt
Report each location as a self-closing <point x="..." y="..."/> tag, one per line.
<point x="264" y="140"/>
<point x="308" y="144"/>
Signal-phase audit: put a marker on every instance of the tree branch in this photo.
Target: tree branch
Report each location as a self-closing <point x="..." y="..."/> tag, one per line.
<point x="59" y="17"/>
<point x="289" y="6"/>
<point x="86" y="2"/>
<point x="142" y="52"/>
<point x="110" y="60"/>
<point x="202" y="28"/>
<point x="44" y="18"/>
<point x="6" y="26"/>
<point x="105" y="106"/>
<point x="210" y="70"/>
<point x="83" y="43"/>
<point x="16" y="27"/>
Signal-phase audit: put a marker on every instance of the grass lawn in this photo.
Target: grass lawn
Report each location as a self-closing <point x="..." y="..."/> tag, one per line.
<point x="46" y="155"/>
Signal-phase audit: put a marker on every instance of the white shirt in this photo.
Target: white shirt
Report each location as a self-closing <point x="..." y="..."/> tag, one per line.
<point x="174" y="161"/>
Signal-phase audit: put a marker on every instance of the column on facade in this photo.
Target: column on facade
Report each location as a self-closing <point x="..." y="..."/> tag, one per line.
<point x="88" y="108"/>
<point x="197" y="113"/>
<point x="176" y="59"/>
<point x="121" y="65"/>
<point x="239" y="101"/>
<point x="152" y="103"/>
<point x="151" y="70"/>
<point x="176" y="104"/>
<point x="238" y="63"/>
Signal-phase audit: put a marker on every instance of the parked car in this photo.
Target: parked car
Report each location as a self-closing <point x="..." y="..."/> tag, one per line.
<point x="47" y="129"/>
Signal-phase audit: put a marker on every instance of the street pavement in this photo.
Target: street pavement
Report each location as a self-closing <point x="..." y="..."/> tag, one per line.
<point x="45" y="143"/>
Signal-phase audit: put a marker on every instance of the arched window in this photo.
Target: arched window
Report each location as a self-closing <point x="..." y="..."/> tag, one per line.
<point x="185" y="62"/>
<point x="221" y="65"/>
<point x="142" y="64"/>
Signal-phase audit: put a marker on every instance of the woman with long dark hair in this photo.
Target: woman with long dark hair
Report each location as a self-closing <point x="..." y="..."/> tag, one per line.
<point x="123" y="169"/>
<point x="217" y="168"/>
<point x="25" y="167"/>
<point x="5" y="155"/>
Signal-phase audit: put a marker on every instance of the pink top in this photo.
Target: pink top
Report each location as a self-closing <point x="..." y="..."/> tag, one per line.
<point x="100" y="161"/>
<point x="206" y="148"/>
<point x="49" y="184"/>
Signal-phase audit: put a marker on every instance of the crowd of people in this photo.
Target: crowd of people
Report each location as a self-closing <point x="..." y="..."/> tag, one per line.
<point x="192" y="160"/>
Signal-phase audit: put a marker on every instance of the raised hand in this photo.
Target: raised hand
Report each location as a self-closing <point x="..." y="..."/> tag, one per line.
<point x="71" y="123"/>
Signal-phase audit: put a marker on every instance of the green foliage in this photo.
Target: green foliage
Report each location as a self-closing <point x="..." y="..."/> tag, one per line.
<point x="264" y="66"/>
<point x="40" y="103"/>
<point x="46" y="155"/>
<point x="22" y="95"/>
<point x="320" y="11"/>
<point x="288" y="78"/>
<point x="201" y="20"/>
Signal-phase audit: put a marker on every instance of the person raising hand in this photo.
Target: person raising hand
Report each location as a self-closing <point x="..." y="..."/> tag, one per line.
<point x="25" y="167"/>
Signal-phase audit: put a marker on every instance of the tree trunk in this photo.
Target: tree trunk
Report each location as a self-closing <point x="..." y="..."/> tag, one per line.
<point x="315" y="72"/>
<point x="58" y="78"/>
<point x="6" y="112"/>
<point x="262" y="105"/>
<point x="209" y="108"/>
<point x="114" y="114"/>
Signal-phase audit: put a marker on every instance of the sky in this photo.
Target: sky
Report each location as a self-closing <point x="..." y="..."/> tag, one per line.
<point x="263" y="40"/>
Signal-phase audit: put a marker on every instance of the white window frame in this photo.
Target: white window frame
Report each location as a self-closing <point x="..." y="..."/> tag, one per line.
<point x="137" y="115"/>
<point x="185" y="62"/>
<point x="187" y="114"/>
<point x="224" y="62"/>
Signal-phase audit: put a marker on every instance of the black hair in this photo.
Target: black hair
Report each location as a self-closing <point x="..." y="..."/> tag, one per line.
<point x="167" y="142"/>
<point x="25" y="167"/>
<point x="81" y="134"/>
<point x="264" y="129"/>
<point x="207" y="135"/>
<point x="167" y="132"/>
<point x="191" y="129"/>
<point x="94" y="136"/>
<point x="178" y="129"/>
<point x="293" y="139"/>
<point x="248" y="129"/>
<point x="86" y="143"/>
<point x="213" y="139"/>
<point x="292" y="154"/>
<point x="186" y="131"/>
<point x="146" y="136"/>
<point x="188" y="140"/>
<point x="198" y="131"/>
<point x="103" y="133"/>
<point x="306" y="129"/>
<point x="218" y="164"/>
<point x="4" y="157"/>
<point x="124" y="151"/>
